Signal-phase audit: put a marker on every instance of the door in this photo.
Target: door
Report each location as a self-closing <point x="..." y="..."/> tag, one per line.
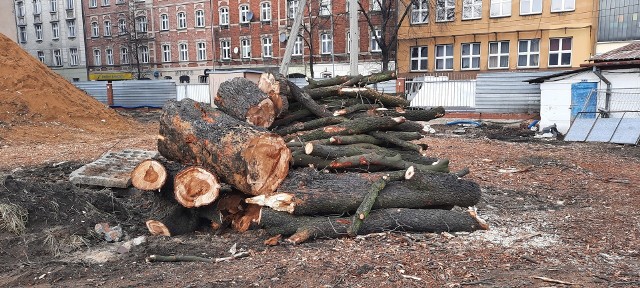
<point x="583" y="99"/>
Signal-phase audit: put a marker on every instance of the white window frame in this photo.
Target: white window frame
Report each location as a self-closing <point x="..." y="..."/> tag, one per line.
<point x="348" y="44"/>
<point x="71" y="28"/>
<point x="244" y="13"/>
<point x="265" y="11"/>
<point x="443" y="7"/>
<point x="142" y="24"/>
<point x="528" y="53"/>
<point x="57" y="58"/>
<point x="164" y="22"/>
<point x="499" y="54"/>
<point x="500" y="8"/>
<point x="267" y="47"/>
<point x="105" y="3"/>
<point x="471" y="56"/>
<point x="124" y="55"/>
<point x="53" y="5"/>
<point x="93" y="3"/>
<point x="38" y="28"/>
<point x="471" y="8"/>
<point x="95" y="29"/>
<point x="224" y="16"/>
<point x="37" y="7"/>
<point x="564" y="5"/>
<point x="97" y="57"/>
<point x="245" y="47"/>
<point x="183" y="52"/>
<point x="444" y="59"/>
<point x="373" y="44"/>
<point x="22" y="32"/>
<point x="166" y="53"/>
<point x="201" y="49"/>
<point x="225" y="49"/>
<point x="182" y="20"/>
<point x="70" y="5"/>
<point x="109" y="54"/>
<point x="325" y="8"/>
<point x="560" y="52"/>
<point x="375" y="5"/>
<point x="527" y="7"/>
<point x="419" y="59"/>
<point x="420" y="12"/>
<point x="292" y="9"/>
<point x="74" y="57"/>
<point x="41" y="57"/>
<point x="107" y="28"/>
<point x="326" y="43"/>
<point x="144" y="54"/>
<point x="200" y="22"/>
<point x="55" y="30"/>
<point x="298" y="46"/>
<point x="20" y="9"/>
<point x="122" y="26"/>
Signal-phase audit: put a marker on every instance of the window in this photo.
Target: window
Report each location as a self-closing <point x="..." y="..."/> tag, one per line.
<point x="70" y="4"/>
<point x="471" y="9"/>
<point x="142" y="23"/>
<point x="293" y="8"/>
<point x="41" y="56"/>
<point x="97" y="61"/>
<point x="325" y="7"/>
<point x="202" y="51"/>
<point x="93" y="3"/>
<point x="182" y="20"/>
<point x="124" y="55"/>
<point x="20" y="9"/>
<point x="109" y="53"/>
<point x="57" y="57"/>
<point x="444" y="57"/>
<point x="420" y="12"/>
<point x="530" y="7"/>
<point x="105" y="2"/>
<point x="120" y="1"/>
<point x="498" y="54"/>
<point x="244" y="14"/>
<point x="225" y="47"/>
<point x="71" y="28"/>
<point x="528" y="53"/>
<point x="184" y="51"/>
<point x="326" y="43"/>
<point x="265" y="12"/>
<point x="267" y="47"/>
<point x="122" y="26"/>
<point x="374" y="41"/>
<point x="144" y="54"/>
<point x="297" y="46"/>
<point x="500" y="8"/>
<point x="37" y="7"/>
<point x="164" y="22"/>
<point x="53" y="5"/>
<point x="348" y="42"/>
<point x="224" y="16"/>
<point x="166" y="53"/>
<point x="470" y="59"/>
<point x="55" y="30"/>
<point x="563" y="5"/>
<point x="375" y="5"/>
<point x="445" y="10"/>
<point x="95" y="30"/>
<point x="200" y="18"/>
<point x="246" y="48"/>
<point x="107" y="28"/>
<point x="23" y="34"/>
<point x="73" y="57"/>
<point x="38" y="31"/>
<point x="560" y="52"/>
<point x="419" y="58"/>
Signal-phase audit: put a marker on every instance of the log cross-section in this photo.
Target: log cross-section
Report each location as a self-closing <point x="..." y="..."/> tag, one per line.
<point x="195" y="187"/>
<point x="242" y="99"/>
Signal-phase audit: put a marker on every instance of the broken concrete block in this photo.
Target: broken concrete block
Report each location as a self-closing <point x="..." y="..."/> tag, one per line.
<point x="112" y="169"/>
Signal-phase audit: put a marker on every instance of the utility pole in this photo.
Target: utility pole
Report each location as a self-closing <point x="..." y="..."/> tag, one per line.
<point x="293" y="35"/>
<point x="354" y="33"/>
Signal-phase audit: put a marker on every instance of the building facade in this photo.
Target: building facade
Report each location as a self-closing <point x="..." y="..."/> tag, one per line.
<point x="8" y="20"/>
<point x="618" y="24"/>
<point x="471" y="36"/>
<point x="52" y="31"/>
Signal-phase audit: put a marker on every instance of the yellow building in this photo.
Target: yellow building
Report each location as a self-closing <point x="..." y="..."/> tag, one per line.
<point x="495" y="35"/>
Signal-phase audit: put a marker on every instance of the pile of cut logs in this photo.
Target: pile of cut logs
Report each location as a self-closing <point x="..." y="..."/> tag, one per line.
<point x="335" y="158"/>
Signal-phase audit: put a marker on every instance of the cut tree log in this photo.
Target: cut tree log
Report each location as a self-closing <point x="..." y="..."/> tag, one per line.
<point x="277" y="90"/>
<point x="310" y="125"/>
<point x="303" y="228"/>
<point x="252" y="160"/>
<point x="149" y="175"/>
<point x="292" y="117"/>
<point x="338" y="80"/>
<point x="306" y="100"/>
<point x="195" y="187"/>
<point x="351" y="127"/>
<point x="374" y="95"/>
<point x="310" y="192"/>
<point x="414" y="115"/>
<point x="390" y="138"/>
<point x="336" y="151"/>
<point x="176" y="221"/>
<point x="354" y="108"/>
<point x="242" y="99"/>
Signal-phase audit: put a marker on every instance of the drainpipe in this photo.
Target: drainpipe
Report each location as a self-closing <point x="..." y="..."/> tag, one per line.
<point x="598" y="73"/>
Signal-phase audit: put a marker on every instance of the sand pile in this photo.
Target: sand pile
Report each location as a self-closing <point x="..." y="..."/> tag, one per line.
<point x="33" y="95"/>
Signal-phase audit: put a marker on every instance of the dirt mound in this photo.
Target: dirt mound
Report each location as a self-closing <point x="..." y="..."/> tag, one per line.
<point x="31" y="94"/>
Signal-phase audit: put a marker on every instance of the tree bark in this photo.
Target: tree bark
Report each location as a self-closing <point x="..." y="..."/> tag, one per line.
<point x="414" y="115"/>
<point x="291" y="117"/>
<point x="308" y="102"/>
<point x="310" y="125"/>
<point x="309" y="192"/>
<point x="351" y="127"/>
<point x="305" y="228"/>
<point x="195" y="187"/>
<point x="243" y="100"/>
<point x="277" y="90"/>
<point x="354" y="108"/>
<point x="338" y="80"/>
<point x="252" y="160"/>
<point x="149" y="175"/>
<point x="175" y="221"/>
<point x="389" y="138"/>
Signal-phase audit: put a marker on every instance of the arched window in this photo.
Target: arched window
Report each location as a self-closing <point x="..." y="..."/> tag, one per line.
<point x="182" y="20"/>
<point x="164" y="22"/>
<point x="224" y="16"/>
<point x="199" y="18"/>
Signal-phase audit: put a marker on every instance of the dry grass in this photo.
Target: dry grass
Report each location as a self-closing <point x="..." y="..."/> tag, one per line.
<point x="13" y="218"/>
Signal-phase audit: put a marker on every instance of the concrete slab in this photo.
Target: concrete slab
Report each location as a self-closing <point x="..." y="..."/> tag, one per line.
<point x="112" y="169"/>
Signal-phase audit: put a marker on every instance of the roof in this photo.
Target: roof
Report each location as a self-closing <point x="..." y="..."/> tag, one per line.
<point x="624" y="53"/>
<point x="563" y="73"/>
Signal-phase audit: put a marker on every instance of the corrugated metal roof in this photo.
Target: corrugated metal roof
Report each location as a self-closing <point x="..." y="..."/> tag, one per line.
<point x="627" y="52"/>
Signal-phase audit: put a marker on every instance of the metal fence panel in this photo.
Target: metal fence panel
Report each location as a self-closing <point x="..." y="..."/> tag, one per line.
<point x="432" y="91"/>
<point x="143" y="93"/>
<point x="197" y="92"/>
<point x="95" y="89"/>
<point x="505" y="92"/>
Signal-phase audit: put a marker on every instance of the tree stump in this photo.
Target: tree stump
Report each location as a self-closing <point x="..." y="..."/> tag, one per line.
<point x="242" y="99"/>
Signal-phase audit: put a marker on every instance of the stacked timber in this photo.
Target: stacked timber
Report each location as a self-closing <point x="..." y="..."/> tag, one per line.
<point x="330" y="159"/>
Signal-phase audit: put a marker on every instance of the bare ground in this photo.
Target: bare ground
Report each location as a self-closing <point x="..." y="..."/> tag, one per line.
<point x="564" y="211"/>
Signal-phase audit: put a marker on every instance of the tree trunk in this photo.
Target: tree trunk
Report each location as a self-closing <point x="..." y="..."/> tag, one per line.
<point x="415" y="115"/>
<point x="149" y="175"/>
<point x="338" y="80"/>
<point x="304" y="228"/>
<point x="251" y="160"/>
<point x="277" y="90"/>
<point x="195" y="187"/>
<point x="243" y="100"/>
<point x="309" y="125"/>
<point x="355" y="126"/>
<point x="309" y="192"/>
<point x="306" y="100"/>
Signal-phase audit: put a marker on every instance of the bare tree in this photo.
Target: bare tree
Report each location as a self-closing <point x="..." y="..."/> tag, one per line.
<point x="312" y="23"/>
<point x="132" y="33"/>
